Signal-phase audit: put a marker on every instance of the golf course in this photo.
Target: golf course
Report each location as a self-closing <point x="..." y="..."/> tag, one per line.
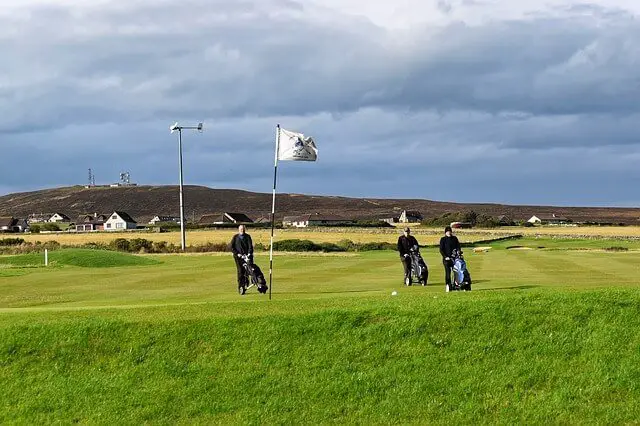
<point x="550" y="333"/>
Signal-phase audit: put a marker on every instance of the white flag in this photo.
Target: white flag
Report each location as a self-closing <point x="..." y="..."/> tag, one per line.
<point x="296" y="147"/>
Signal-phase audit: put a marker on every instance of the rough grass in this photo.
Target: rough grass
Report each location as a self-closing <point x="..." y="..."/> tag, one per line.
<point x="496" y="357"/>
<point x="546" y="336"/>
<point x="262" y="236"/>
<point x="425" y="235"/>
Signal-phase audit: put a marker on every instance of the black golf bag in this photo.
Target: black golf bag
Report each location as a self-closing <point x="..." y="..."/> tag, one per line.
<point x="419" y="269"/>
<point x="255" y="276"/>
<point x="461" y="276"/>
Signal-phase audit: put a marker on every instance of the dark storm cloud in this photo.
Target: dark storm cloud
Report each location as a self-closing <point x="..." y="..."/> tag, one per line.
<point x="98" y="88"/>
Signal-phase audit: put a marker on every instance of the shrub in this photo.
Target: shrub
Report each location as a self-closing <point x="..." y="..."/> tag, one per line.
<point x="348" y="245"/>
<point x="209" y="248"/>
<point x="139" y="244"/>
<point x="120" y="244"/>
<point x="468" y="216"/>
<point x="485" y="221"/>
<point x="94" y="246"/>
<point x="616" y="248"/>
<point x="51" y="245"/>
<point x="377" y="246"/>
<point x="296" y="245"/>
<point x="160" y="247"/>
<point x="341" y="246"/>
<point x="443" y="220"/>
<point x="11" y="241"/>
<point x="34" y="229"/>
<point x="50" y="227"/>
<point x="331" y="247"/>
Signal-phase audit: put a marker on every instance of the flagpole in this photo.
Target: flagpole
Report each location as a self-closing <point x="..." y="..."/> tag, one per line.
<point x="273" y="209"/>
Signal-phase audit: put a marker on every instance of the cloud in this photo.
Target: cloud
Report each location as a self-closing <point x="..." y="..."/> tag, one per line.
<point x="486" y="85"/>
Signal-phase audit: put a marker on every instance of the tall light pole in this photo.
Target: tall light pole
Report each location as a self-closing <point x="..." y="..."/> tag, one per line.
<point x="173" y="128"/>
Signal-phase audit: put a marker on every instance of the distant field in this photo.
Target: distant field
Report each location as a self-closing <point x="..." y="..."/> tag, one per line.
<point x="198" y="237"/>
<point x="425" y="236"/>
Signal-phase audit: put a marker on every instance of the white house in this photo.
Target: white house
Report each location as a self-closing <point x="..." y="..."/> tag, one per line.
<point x="315" y="219"/>
<point x="6" y="224"/>
<point x="410" y="216"/>
<point x="390" y="218"/>
<point x="222" y="218"/>
<point x="119" y="221"/>
<point x="10" y="224"/>
<point x="59" y="217"/>
<point x="551" y="220"/>
<point x="296" y="221"/>
<point x="164" y="219"/>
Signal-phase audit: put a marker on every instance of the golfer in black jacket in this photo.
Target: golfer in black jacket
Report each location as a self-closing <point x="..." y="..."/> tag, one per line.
<point x="405" y="244"/>
<point x="241" y="244"/>
<point x="448" y="244"/>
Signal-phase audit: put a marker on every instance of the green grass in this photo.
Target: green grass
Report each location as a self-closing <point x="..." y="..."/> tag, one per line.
<point x="547" y="336"/>
<point x="565" y="243"/>
<point x="77" y="257"/>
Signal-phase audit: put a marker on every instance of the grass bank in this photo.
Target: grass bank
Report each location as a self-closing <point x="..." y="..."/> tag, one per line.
<point x="485" y="357"/>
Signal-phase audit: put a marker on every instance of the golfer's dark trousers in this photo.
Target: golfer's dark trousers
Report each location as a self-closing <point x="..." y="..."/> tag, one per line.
<point x="242" y="274"/>
<point x="406" y="264"/>
<point x="448" y="268"/>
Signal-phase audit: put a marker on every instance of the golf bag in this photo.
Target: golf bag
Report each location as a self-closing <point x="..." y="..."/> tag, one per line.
<point x="255" y="275"/>
<point x="419" y="269"/>
<point x="461" y="276"/>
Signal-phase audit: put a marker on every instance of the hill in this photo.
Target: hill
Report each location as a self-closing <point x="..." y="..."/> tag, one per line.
<point x="144" y="202"/>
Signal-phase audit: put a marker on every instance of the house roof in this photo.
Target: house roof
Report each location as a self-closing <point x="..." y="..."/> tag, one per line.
<point x="551" y="217"/>
<point x="295" y="218"/>
<point x="62" y="215"/>
<point x="125" y="216"/>
<point x="239" y="217"/>
<point x="101" y="218"/>
<point x="388" y="215"/>
<point x="6" y="221"/>
<point x="166" y="218"/>
<point x="328" y="218"/>
<point x="413" y="213"/>
<point x="219" y="218"/>
<point x="210" y="218"/>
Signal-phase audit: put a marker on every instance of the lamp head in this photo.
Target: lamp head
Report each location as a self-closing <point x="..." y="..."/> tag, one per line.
<point x="200" y="127"/>
<point x="174" y="127"/>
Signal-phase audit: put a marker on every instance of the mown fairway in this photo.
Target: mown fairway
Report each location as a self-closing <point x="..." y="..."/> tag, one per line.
<point x="547" y="335"/>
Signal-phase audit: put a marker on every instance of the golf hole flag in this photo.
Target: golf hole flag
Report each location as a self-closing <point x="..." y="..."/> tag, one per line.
<point x="290" y="146"/>
<point x="294" y="146"/>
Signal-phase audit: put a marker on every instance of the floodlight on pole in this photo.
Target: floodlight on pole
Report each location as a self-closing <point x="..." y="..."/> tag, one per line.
<point x="175" y="127"/>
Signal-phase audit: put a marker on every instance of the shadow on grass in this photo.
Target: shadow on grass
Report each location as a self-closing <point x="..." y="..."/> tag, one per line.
<point x="331" y="291"/>
<point x="516" y="287"/>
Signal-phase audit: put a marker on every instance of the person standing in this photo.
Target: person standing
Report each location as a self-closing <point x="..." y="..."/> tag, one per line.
<point x="241" y="244"/>
<point x="405" y="244"/>
<point x="448" y="244"/>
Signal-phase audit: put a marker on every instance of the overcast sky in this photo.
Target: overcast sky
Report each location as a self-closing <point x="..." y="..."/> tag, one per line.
<point x="522" y="102"/>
